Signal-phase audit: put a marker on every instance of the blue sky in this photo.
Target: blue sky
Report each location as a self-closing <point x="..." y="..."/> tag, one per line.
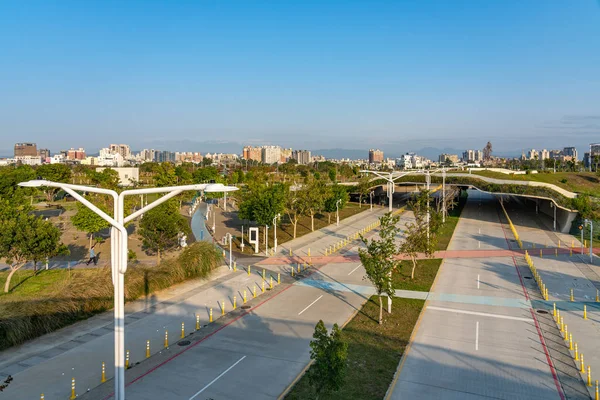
<point x="399" y="75"/>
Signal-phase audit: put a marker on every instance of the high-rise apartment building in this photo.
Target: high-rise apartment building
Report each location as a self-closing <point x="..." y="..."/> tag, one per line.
<point x="271" y="154"/>
<point x="44" y="154"/>
<point x="164" y="156"/>
<point x="123" y="149"/>
<point x="571" y="152"/>
<point x="26" y="149"/>
<point x="252" y="153"/>
<point x="78" y="154"/>
<point x="451" y="158"/>
<point x="544" y="154"/>
<point x="375" y="156"/>
<point x="302" y="156"/>
<point x="286" y="154"/>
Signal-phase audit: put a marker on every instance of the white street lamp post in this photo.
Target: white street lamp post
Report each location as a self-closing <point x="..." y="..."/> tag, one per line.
<point x="444" y="196"/>
<point x="267" y="240"/>
<point x="242" y="244"/>
<point x="591" y="224"/>
<point x="118" y="239"/>
<point x="275" y="232"/>
<point x="371" y="196"/>
<point x="213" y="208"/>
<point x="554" y="207"/>
<point x="337" y="212"/>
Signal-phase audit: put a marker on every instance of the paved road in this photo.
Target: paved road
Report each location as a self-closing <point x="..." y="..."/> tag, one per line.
<point x="275" y="333"/>
<point x="491" y="348"/>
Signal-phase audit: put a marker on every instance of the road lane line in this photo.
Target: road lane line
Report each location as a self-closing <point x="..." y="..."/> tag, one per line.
<point x="477" y="336"/>
<point x="477" y="281"/>
<point x="480" y="313"/>
<point x="353" y="270"/>
<point x="217" y="378"/>
<point x="307" y="307"/>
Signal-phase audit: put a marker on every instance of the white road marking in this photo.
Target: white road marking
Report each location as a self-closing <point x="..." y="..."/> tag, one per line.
<point x="477" y="336"/>
<point x="480" y="313"/>
<point x="353" y="270"/>
<point x="477" y="281"/>
<point x="217" y="378"/>
<point x="479" y="244"/>
<point x="308" y="306"/>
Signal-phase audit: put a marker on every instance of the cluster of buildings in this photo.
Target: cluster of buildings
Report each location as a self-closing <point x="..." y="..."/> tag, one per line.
<point x="566" y="154"/>
<point x="277" y="155"/>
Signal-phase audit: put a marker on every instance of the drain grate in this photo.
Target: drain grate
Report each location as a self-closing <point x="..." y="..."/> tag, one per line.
<point x="246" y="307"/>
<point x="541" y="311"/>
<point x="184" y="343"/>
<point x="527" y="277"/>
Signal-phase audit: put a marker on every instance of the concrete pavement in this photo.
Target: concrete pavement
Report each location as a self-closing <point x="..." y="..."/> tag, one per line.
<point x="478" y="349"/>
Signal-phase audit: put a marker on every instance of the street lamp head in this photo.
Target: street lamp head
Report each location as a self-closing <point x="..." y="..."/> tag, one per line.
<point x="219" y="187"/>
<point x="35" y="183"/>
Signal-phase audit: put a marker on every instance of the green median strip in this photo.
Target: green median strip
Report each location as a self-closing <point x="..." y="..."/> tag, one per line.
<point x="373" y="351"/>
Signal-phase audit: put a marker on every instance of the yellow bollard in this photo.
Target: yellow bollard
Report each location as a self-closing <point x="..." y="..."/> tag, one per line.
<point x="278" y="278"/>
<point x="554" y="310"/>
<point x="254" y="291"/>
<point x="147" y="348"/>
<point x="570" y="341"/>
<point x="582" y="363"/>
<point x="182" y="330"/>
<point x="103" y="378"/>
<point x="166" y="339"/>
<point x="584" y="311"/>
<point x="298" y="267"/>
<point x="566" y="332"/>
<point x="576" y="353"/>
<point x="42" y="396"/>
<point x="292" y="271"/>
<point x="197" y="322"/>
<point x="264" y="273"/>
<point x="309" y="251"/>
<point x="290" y="251"/>
<point x="223" y="253"/>
<point x="234" y="303"/>
<point x="223" y="307"/>
<point x="73" y="395"/>
<point x="234" y="266"/>
<point x="597" y="397"/>
<point x="546" y="297"/>
<point x="589" y="376"/>
<point x="271" y="283"/>
<point x="244" y="297"/>
<point x="127" y="360"/>
<point x="263" y="286"/>
<point x="210" y="318"/>
<point x="248" y="270"/>
<point x="562" y="325"/>
<point x="572" y="297"/>
<point x="541" y="254"/>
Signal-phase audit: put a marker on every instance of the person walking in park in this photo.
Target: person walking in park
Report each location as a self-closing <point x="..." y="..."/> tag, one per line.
<point x="92" y="256"/>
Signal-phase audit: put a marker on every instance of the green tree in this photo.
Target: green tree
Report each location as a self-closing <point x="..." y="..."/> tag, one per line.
<point x="164" y="175"/>
<point x="10" y="177"/>
<point x="205" y="174"/>
<point x="363" y="188"/>
<point x="379" y="258"/>
<point x="88" y="221"/>
<point x="332" y="175"/>
<point x="337" y="192"/>
<point x="329" y="353"/>
<point x="416" y="241"/>
<point x="160" y="226"/>
<point x="25" y="237"/>
<point x="54" y="173"/>
<point x="294" y="207"/>
<point x="108" y="178"/>
<point x="261" y="203"/>
<point x="313" y="195"/>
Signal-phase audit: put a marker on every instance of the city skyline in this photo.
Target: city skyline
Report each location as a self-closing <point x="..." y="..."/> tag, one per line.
<point x="321" y="75"/>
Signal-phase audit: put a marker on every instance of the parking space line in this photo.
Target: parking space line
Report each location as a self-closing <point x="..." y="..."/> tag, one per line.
<point x="353" y="270"/>
<point x="480" y="313"/>
<point x="307" y="307"/>
<point x="217" y="378"/>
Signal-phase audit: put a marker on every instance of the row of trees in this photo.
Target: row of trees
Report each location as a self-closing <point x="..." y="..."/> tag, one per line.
<point x="262" y="201"/>
<point x="378" y="258"/>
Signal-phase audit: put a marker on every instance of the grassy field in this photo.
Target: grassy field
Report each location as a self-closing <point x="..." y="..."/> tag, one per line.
<point x="49" y="300"/>
<point x="578" y="182"/>
<point x="373" y="351"/>
<point x="424" y="275"/>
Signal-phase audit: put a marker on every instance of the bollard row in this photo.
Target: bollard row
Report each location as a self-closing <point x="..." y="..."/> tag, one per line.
<point x="536" y="276"/>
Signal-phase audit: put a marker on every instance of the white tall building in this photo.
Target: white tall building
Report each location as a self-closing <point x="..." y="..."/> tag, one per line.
<point x="123" y="149"/>
<point x="271" y="154"/>
<point x="302" y="156"/>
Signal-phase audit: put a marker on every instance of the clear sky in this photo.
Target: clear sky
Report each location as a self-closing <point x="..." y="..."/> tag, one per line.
<point x="399" y="75"/>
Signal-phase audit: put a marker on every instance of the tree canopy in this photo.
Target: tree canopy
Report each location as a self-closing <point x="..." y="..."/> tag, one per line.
<point x="160" y="226"/>
<point x="329" y="353"/>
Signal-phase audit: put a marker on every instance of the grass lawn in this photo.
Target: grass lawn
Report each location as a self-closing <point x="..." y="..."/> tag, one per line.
<point x="424" y="275"/>
<point x="25" y="284"/>
<point x="447" y="230"/>
<point x="373" y="351"/>
<point x="579" y="182"/>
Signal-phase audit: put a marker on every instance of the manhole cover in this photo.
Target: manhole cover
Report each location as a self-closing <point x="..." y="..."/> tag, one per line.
<point x="246" y="307"/>
<point x="184" y="343"/>
<point x="527" y="277"/>
<point x="541" y="311"/>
